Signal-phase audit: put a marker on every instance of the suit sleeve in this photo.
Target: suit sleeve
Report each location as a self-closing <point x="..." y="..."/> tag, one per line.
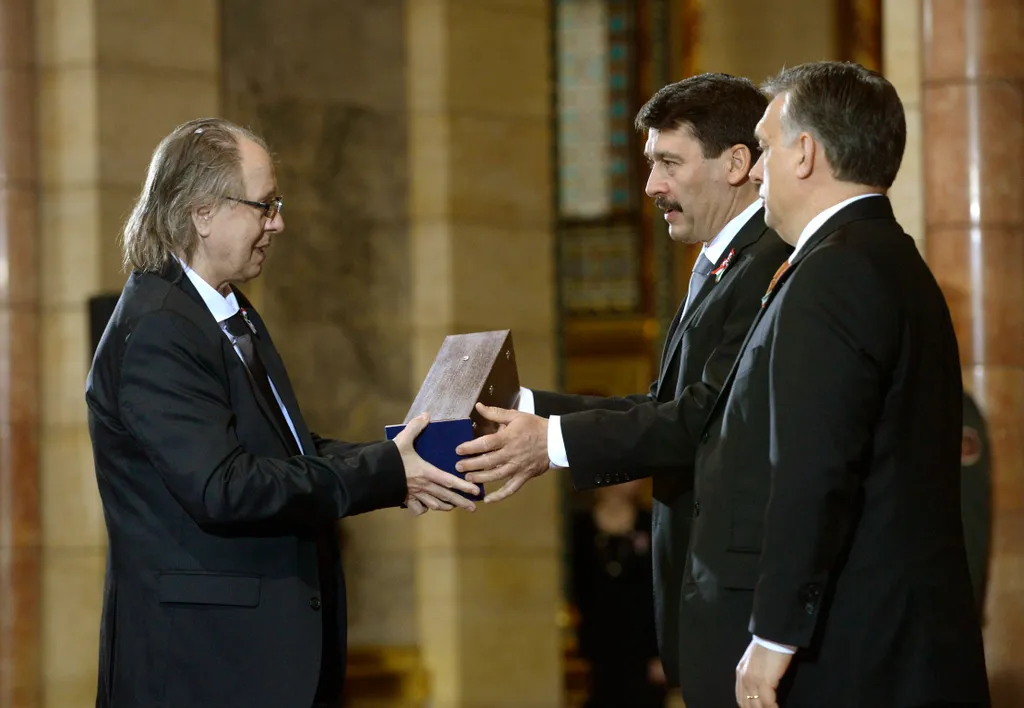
<point x="835" y="338"/>
<point x="549" y="403"/>
<point x="661" y="438"/>
<point x="173" y="401"/>
<point x="327" y="447"/>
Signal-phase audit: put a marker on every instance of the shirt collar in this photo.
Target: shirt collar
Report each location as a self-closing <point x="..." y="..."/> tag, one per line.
<point x="219" y="306"/>
<point x="818" y="221"/>
<point x="714" y="248"/>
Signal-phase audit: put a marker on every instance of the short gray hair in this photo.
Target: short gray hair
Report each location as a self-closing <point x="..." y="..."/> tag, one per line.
<point x="854" y="113"/>
<point x="197" y="165"/>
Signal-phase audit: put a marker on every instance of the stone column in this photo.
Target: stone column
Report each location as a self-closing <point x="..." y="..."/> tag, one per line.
<point x="901" y="52"/>
<point x="19" y="354"/>
<point x="330" y="101"/>
<point x="791" y="32"/>
<point x="115" y="77"/>
<point x="479" y="92"/>
<point x="973" y="108"/>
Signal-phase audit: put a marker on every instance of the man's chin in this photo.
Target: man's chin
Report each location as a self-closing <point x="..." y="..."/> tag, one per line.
<point x="683" y="236"/>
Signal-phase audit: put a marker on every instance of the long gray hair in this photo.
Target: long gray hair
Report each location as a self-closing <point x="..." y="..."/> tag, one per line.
<point x="197" y="165"/>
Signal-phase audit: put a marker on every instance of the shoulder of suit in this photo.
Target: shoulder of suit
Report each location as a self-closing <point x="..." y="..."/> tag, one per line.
<point x="766" y="253"/>
<point x="147" y="295"/>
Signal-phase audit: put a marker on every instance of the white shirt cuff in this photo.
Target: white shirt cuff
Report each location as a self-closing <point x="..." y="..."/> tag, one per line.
<point x="525" y="404"/>
<point x="781" y="648"/>
<point x="556" y="445"/>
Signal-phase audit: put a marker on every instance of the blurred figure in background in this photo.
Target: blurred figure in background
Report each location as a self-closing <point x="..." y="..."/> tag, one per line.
<point x="613" y="588"/>
<point x="976" y="497"/>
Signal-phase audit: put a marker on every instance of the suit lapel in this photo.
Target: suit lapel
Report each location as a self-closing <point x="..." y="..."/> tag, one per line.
<point x="193" y="306"/>
<point x="279" y="375"/>
<point x="867" y="208"/>
<point x="747" y="235"/>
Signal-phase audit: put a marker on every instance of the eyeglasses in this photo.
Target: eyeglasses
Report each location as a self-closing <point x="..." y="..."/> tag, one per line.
<point x="270" y="209"/>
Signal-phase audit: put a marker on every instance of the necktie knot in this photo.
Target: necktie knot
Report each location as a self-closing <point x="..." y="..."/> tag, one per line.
<point x="703" y="265"/>
<point x="237" y="325"/>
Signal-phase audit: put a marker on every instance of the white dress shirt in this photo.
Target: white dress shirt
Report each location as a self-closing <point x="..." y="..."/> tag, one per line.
<point x="713" y="250"/>
<point x="223" y="308"/>
<point x="818" y="221"/>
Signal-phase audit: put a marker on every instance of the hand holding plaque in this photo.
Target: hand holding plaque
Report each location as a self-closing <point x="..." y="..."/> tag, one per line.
<point x="517" y="452"/>
<point x="469" y="368"/>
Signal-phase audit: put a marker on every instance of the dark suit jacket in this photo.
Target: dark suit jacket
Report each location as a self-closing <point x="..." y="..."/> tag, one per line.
<point x="212" y="591"/>
<point x="828" y="484"/>
<point x="614" y="440"/>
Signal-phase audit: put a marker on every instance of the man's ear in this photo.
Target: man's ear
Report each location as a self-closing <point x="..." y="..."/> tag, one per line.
<point x="202" y="218"/>
<point x="807" y="153"/>
<point x="740" y="160"/>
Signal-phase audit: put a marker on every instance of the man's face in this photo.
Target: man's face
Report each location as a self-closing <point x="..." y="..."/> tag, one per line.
<point x="691" y="190"/>
<point x="237" y="237"/>
<point x="775" y="170"/>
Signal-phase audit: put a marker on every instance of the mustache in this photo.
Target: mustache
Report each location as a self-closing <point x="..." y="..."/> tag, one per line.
<point x="666" y="204"/>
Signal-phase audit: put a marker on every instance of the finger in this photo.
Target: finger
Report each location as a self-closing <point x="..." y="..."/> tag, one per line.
<point x="492" y="475"/>
<point x="449" y="497"/>
<point x="497" y="415"/>
<point x="485" y="443"/>
<point x="451" y="481"/>
<point x="433" y="502"/>
<point x="510" y="488"/>
<point x="412" y="430"/>
<point x="415" y="506"/>
<point x="482" y="462"/>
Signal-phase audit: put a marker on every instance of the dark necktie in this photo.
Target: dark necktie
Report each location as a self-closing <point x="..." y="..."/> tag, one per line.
<point x="701" y="269"/>
<point x="239" y="328"/>
<point x="328" y="685"/>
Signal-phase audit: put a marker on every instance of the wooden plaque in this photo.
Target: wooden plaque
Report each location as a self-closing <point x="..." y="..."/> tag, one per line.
<point x="470" y="367"/>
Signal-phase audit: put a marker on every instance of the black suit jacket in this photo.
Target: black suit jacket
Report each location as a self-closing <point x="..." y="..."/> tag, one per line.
<point x="212" y="593"/>
<point x="615" y="440"/>
<point x="828" y="485"/>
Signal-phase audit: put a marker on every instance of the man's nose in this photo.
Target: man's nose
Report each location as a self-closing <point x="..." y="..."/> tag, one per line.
<point x="757" y="171"/>
<point x="655" y="185"/>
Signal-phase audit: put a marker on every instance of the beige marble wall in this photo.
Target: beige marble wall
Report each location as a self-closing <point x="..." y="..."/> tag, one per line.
<point x="115" y="77"/>
<point x="488" y="585"/>
<point x="756" y="39"/>
<point x="330" y="100"/>
<point x="901" y="61"/>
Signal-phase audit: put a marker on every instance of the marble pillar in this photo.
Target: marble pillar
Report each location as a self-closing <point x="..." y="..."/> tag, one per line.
<point x="479" y="91"/>
<point x="329" y="98"/>
<point x="115" y="76"/>
<point x="973" y="112"/>
<point x="19" y="355"/>
<point x="901" y="59"/>
<point x="751" y="39"/>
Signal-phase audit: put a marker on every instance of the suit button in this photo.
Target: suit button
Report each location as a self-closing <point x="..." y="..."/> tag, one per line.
<point x="704" y="437"/>
<point x="696" y="509"/>
<point x="809" y="608"/>
<point x="598" y="480"/>
<point x="314" y="602"/>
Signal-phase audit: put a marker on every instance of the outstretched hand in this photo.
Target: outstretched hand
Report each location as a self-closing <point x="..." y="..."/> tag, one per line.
<point x="428" y="486"/>
<point x="518" y="452"/>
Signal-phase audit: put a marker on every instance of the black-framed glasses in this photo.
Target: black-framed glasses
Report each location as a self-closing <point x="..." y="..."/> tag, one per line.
<point x="270" y="209"/>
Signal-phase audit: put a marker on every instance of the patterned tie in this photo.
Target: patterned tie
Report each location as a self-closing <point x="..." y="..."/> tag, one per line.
<point x="241" y="330"/>
<point x="775" y="279"/>
<point x="328" y="687"/>
<point x="702" y="267"/>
